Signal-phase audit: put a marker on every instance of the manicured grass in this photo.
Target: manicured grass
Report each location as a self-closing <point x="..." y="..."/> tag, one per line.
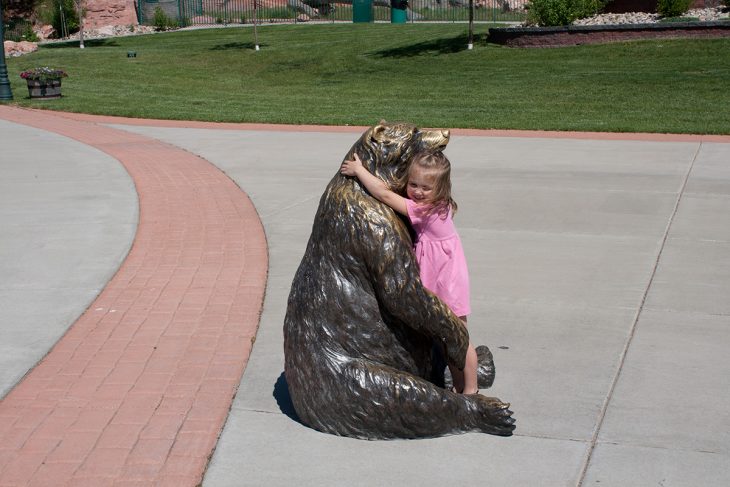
<point x="360" y="73"/>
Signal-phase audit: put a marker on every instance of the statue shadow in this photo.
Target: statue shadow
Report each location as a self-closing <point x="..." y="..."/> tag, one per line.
<point x="236" y="45"/>
<point x="283" y="399"/>
<point x="434" y="46"/>
<point x="87" y="43"/>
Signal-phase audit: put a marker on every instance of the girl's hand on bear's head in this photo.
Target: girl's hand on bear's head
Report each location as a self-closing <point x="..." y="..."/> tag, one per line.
<point x="349" y="168"/>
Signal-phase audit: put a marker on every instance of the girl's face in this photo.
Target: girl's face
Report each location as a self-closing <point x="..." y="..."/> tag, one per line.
<point x="421" y="183"/>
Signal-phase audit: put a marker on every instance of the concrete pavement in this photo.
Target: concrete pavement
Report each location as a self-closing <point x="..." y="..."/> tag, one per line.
<point x="600" y="267"/>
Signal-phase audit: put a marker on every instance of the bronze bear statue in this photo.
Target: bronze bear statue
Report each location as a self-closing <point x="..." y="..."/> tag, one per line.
<point x="360" y="328"/>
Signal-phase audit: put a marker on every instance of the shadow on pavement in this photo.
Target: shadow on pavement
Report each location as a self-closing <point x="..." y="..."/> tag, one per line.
<point x="283" y="400"/>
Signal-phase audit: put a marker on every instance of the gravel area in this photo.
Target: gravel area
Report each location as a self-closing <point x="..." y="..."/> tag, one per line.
<point x="112" y="31"/>
<point x="703" y="14"/>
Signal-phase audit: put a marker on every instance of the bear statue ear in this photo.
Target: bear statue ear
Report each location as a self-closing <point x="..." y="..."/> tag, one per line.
<point x="378" y="133"/>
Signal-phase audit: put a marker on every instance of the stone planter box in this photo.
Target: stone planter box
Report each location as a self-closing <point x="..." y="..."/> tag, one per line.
<point x="573" y="35"/>
<point x="46" y="89"/>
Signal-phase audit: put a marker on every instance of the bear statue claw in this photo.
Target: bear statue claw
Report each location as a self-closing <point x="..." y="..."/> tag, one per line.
<point x="497" y="416"/>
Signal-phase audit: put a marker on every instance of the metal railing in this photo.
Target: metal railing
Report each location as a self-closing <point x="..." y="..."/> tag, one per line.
<point x="225" y="12"/>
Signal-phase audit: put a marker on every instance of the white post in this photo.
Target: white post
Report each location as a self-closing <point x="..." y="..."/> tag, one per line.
<point x="255" y="21"/>
<point x="470" y="45"/>
<point x="80" y="9"/>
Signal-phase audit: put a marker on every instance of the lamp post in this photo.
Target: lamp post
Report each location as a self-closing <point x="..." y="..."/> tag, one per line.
<point x="5" y="92"/>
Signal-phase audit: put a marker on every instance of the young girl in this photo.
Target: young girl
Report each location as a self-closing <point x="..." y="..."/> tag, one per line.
<point x="430" y="209"/>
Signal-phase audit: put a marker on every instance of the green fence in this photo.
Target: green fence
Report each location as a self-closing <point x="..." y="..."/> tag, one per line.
<point x="211" y="12"/>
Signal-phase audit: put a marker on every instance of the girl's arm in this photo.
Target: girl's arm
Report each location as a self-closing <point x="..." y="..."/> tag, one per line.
<point x="374" y="185"/>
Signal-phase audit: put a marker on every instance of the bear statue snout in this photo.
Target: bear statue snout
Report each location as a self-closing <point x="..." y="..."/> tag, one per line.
<point x="446" y="134"/>
<point x="436" y="139"/>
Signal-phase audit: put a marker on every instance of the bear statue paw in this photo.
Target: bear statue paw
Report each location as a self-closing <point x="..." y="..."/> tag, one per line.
<point x="485" y="369"/>
<point x="495" y="415"/>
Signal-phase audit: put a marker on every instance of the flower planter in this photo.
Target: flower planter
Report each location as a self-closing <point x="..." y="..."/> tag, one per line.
<point x="44" y="89"/>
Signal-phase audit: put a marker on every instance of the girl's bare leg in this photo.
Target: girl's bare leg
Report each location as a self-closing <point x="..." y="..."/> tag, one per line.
<point x="470" y="371"/>
<point x="465" y="381"/>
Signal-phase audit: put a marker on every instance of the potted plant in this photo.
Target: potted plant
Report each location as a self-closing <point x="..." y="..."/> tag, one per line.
<point x="44" y="82"/>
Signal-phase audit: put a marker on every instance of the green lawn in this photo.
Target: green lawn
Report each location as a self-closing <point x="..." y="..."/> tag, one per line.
<point x="359" y="73"/>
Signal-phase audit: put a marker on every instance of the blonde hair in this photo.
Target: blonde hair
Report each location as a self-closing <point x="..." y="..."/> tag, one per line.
<point x="437" y="164"/>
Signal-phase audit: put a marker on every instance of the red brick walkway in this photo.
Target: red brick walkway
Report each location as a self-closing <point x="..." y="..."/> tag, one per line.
<point x="138" y="389"/>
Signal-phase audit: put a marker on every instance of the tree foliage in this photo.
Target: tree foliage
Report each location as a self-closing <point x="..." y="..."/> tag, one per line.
<point x="19" y="8"/>
<point x="65" y="17"/>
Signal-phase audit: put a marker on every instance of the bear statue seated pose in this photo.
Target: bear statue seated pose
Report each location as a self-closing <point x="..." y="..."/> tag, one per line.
<point x="361" y="330"/>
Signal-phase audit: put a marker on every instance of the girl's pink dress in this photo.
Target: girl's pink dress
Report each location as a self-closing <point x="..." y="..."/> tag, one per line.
<point x="440" y="257"/>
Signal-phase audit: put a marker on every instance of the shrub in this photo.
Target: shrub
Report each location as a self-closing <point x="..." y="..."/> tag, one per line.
<point x="20" y="30"/>
<point x="561" y="12"/>
<point x="162" y="21"/>
<point x="672" y="8"/>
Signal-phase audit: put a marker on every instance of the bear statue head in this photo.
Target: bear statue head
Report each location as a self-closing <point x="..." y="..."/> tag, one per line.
<point x="386" y="148"/>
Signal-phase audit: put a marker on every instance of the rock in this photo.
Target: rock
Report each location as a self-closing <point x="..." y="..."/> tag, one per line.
<point x="704" y="14"/>
<point x="707" y="14"/>
<point x="109" y="12"/>
<point x="106" y="31"/>
<point x="15" y="49"/>
<point x="114" y="31"/>
<point x="45" y="32"/>
<point x="619" y="19"/>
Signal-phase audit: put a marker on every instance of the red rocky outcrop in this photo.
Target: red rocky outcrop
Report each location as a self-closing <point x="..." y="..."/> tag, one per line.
<point x="100" y="13"/>
<point x="14" y="49"/>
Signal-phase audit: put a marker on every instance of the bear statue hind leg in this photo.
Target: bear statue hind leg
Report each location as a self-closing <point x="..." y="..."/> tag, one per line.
<point x="374" y="401"/>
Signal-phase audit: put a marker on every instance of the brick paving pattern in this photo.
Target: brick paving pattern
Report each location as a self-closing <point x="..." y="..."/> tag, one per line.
<point x="138" y="389"/>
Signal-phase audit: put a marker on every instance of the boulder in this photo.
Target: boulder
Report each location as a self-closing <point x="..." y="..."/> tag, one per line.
<point x="109" y="12"/>
<point x="15" y="49"/>
<point x="45" y="32"/>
